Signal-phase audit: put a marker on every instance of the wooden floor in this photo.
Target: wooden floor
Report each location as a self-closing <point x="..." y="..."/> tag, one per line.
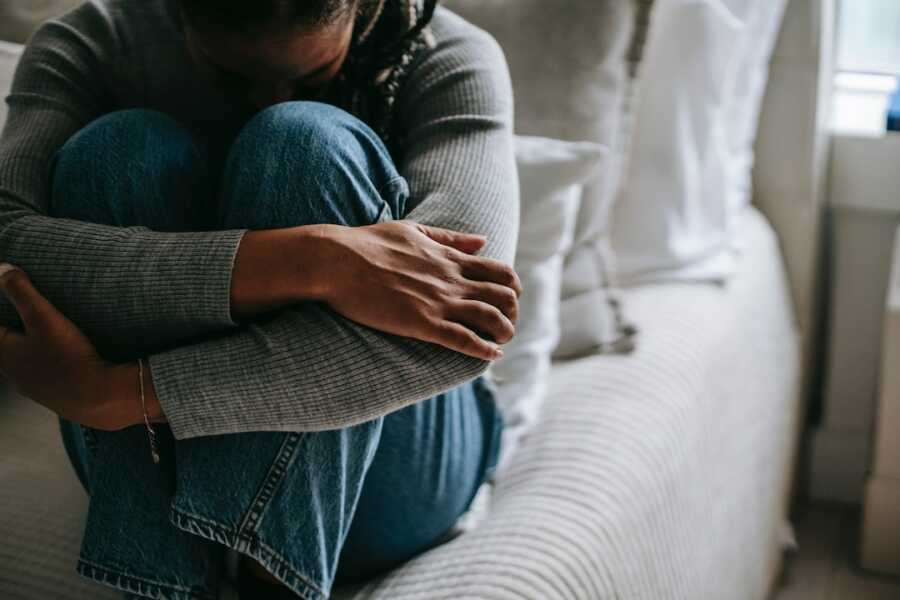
<point x="825" y="567"/>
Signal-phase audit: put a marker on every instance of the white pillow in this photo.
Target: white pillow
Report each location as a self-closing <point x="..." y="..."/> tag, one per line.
<point x="688" y="181"/>
<point x="670" y="218"/>
<point x="550" y="174"/>
<point x="763" y="20"/>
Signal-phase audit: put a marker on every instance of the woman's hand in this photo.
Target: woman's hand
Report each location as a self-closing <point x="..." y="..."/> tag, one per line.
<point x="54" y="364"/>
<point x="420" y="282"/>
<point x="398" y="277"/>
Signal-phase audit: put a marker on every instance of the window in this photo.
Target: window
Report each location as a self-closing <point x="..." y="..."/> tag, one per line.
<point x="868" y="65"/>
<point x="869" y="36"/>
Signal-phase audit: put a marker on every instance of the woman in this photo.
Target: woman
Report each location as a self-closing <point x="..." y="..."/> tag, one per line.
<point x="211" y="191"/>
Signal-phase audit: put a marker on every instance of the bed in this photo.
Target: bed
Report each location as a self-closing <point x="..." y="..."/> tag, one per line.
<point x="662" y="474"/>
<point x="655" y="475"/>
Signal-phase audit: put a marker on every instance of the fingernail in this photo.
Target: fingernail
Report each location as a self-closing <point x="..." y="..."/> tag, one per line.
<point x="498" y="353"/>
<point x="6" y="268"/>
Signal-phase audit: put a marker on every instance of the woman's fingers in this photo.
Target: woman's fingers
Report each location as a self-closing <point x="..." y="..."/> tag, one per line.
<point x="500" y="296"/>
<point x="478" y="268"/>
<point x="460" y="338"/>
<point x="32" y="307"/>
<point x="464" y="242"/>
<point x="484" y="318"/>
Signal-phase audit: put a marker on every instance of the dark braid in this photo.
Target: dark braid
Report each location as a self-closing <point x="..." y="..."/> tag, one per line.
<point x="423" y="20"/>
<point x="379" y="64"/>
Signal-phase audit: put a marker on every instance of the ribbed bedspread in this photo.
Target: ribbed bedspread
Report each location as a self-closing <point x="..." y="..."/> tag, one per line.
<point x="660" y="475"/>
<point x="654" y="476"/>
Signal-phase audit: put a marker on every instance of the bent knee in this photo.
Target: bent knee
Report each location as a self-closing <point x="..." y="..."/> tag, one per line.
<point x="122" y="130"/>
<point x="314" y="134"/>
<point x="300" y="163"/>
<point x="122" y="157"/>
<point x="125" y="139"/>
<point x="302" y="118"/>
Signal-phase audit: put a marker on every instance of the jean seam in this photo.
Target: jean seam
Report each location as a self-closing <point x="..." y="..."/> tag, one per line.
<point x="246" y="538"/>
<point x="142" y="586"/>
<point x="250" y="544"/>
<point x="273" y="478"/>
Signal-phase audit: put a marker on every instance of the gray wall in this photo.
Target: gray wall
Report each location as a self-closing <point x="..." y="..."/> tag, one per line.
<point x="18" y="18"/>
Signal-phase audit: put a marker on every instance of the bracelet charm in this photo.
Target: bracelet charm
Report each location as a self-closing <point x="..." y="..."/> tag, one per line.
<point x="151" y="433"/>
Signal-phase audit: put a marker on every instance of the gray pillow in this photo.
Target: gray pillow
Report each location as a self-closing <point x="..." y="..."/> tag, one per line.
<point x="574" y="65"/>
<point x="19" y="18"/>
<point x="9" y="57"/>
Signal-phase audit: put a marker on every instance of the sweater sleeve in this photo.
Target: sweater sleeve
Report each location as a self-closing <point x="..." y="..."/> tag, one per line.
<point x="307" y="368"/>
<point x="123" y="286"/>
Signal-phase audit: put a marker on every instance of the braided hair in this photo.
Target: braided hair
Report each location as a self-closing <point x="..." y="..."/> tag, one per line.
<point x="382" y="57"/>
<point x="388" y="37"/>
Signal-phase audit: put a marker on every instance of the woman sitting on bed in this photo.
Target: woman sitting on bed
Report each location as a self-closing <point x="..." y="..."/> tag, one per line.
<point x="279" y="233"/>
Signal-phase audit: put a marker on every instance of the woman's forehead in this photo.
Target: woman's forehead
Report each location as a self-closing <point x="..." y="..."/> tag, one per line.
<point x="290" y="54"/>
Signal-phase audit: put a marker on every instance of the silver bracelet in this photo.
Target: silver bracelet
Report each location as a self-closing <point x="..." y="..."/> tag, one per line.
<point x="151" y="433"/>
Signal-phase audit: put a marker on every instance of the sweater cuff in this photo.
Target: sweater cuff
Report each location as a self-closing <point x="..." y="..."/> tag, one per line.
<point x="169" y="373"/>
<point x="204" y="281"/>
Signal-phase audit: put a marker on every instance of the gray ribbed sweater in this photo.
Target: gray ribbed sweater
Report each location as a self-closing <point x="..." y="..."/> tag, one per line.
<point x="307" y="368"/>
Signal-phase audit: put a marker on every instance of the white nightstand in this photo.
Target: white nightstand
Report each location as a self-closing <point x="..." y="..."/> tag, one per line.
<point x="881" y="520"/>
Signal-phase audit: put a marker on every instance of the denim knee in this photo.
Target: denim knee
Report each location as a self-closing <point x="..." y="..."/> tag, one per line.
<point x="300" y="163"/>
<point x="130" y="167"/>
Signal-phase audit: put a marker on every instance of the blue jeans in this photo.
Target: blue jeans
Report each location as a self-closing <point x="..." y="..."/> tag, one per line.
<point x="313" y="508"/>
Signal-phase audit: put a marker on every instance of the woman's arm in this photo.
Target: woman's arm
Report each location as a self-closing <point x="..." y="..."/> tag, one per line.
<point x="307" y="368"/>
<point x="122" y="286"/>
<point x="310" y="369"/>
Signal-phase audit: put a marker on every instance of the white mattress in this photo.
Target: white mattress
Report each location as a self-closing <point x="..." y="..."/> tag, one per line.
<point x="653" y="476"/>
